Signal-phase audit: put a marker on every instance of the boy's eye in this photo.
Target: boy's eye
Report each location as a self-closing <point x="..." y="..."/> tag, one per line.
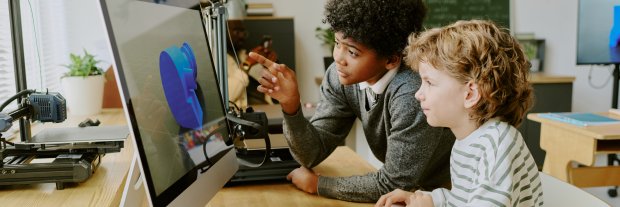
<point x="353" y="53"/>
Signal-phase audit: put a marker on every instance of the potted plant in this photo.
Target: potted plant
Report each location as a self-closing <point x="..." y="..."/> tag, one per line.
<point x="534" y="50"/>
<point x="83" y="85"/>
<point x="327" y="36"/>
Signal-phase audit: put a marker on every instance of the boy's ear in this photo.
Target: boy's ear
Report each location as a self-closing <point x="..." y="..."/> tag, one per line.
<point x="393" y="61"/>
<point x="472" y="95"/>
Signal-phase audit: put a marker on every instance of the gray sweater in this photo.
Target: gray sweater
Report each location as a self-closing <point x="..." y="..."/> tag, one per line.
<point x="415" y="155"/>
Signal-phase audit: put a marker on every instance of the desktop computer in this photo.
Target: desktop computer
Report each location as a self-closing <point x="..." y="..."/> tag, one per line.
<point x="183" y="134"/>
<point x="176" y="112"/>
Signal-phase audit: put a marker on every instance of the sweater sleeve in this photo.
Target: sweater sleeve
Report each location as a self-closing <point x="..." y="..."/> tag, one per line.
<point x="313" y="141"/>
<point x="416" y="158"/>
<point x="415" y="155"/>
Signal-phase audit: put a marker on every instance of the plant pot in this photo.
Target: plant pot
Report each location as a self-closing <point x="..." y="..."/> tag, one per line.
<point x="535" y="65"/>
<point x="84" y="95"/>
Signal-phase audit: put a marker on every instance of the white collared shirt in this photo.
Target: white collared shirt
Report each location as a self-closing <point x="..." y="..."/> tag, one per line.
<point x="380" y="86"/>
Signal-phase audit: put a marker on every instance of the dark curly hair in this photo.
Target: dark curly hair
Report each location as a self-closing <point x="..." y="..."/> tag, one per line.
<point x="382" y="25"/>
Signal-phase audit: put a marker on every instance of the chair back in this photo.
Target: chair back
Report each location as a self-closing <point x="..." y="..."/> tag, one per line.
<point x="559" y="193"/>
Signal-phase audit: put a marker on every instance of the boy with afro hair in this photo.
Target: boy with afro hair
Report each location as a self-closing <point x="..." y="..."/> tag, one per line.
<point x="368" y="81"/>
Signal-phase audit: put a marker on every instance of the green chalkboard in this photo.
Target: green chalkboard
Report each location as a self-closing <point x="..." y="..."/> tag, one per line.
<point x="445" y="12"/>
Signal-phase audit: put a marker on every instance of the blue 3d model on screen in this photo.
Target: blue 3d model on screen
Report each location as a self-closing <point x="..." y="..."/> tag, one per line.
<point x="614" y="36"/>
<point x="177" y="67"/>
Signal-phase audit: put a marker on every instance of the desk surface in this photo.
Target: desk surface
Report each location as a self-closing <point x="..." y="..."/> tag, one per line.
<point x="542" y="78"/>
<point x="605" y="132"/>
<point x="566" y="143"/>
<point x="343" y="162"/>
<point x="104" y="188"/>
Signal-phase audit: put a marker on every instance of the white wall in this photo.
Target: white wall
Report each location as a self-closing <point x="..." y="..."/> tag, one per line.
<point x="86" y="30"/>
<point x="308" y="50"/>
<point x="556" y="22"/>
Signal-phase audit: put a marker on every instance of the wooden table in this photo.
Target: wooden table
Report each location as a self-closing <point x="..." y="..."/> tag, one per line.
<point x="565" y="143"/>
<point x="552" y="94"/>
<point x="343" y="162"/>
<point x="104" y="188"/>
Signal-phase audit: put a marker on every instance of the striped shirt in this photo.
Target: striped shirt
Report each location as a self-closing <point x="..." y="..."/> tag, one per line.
<point x="491" y="167"/>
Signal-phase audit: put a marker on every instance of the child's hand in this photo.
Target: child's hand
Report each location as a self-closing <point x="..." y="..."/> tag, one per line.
<point x="394" y="197"/>
<point x="420" y="199"/>
<point x="304" y="179"/>
<point x="263" y="51"/>
<point x="279" y="82"/>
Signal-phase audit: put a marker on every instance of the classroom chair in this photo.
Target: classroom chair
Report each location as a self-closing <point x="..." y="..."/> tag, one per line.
<point x="559" y="193"/>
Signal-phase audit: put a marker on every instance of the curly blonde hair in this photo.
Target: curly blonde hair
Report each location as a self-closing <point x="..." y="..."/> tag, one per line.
<point x="479" y="51"/>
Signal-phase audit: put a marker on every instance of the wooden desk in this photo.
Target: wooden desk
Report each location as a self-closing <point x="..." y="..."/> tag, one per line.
<point x="566" y="142"/>
<point x="104" y="188"/>
<point x="551" y="94"/>
<point x="343" y="162"/>
<point x="541" y="78"/>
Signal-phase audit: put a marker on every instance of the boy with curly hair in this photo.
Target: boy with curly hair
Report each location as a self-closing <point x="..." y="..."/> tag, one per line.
<point x="370" y="82"/>
<point x="475" y="82"/>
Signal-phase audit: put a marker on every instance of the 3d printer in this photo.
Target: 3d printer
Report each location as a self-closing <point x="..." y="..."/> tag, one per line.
<point x="58" y="155"/>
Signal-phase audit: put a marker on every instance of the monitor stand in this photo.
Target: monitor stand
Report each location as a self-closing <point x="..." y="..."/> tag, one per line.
<point x="134" y="193"/>
<point x="613" y="157"/>
<point x="616" y="81"/>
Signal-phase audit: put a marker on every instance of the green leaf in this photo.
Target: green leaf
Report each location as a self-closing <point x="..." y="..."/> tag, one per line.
<point x="326" y="35"/>
<point x="85" y="65"/>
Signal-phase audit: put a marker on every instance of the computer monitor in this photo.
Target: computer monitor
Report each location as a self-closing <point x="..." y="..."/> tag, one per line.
<point x="175" y="109"/>
<point x="598" y="32"/>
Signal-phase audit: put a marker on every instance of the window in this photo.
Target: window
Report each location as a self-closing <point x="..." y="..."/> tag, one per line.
<point x="7" y="79"/>
<point x="45" y="46"/>
<point x="44" y="35"/>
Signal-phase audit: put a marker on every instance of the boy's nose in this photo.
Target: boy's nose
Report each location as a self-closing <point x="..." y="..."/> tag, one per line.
<point x="338" y="58"/>
<point x="418" y="94"/>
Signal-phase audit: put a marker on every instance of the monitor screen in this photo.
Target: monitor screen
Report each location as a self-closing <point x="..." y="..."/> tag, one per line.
<point x="598" y="32"/>
<point x="169" y="88"/>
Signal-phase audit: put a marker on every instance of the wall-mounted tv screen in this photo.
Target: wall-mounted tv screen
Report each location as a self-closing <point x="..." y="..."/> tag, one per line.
<point x="598" y="32"/>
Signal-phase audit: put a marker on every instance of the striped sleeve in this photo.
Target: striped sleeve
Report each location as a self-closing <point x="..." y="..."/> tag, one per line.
<point x="508" y="176"/>
<point x="494" y="168"/>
